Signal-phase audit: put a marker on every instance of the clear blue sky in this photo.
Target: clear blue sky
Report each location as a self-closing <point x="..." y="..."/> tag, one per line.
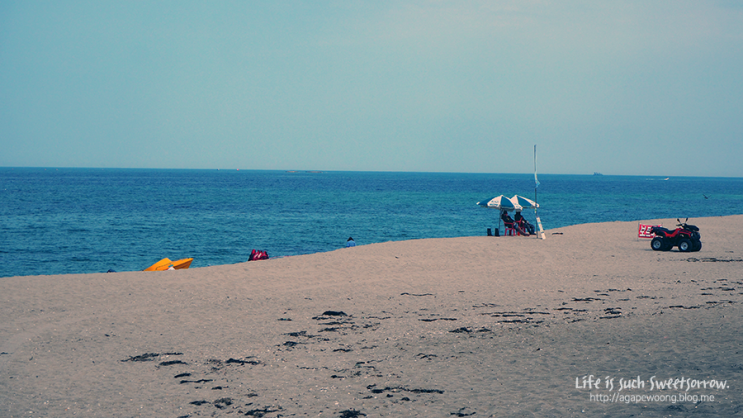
<point x="620" y="87"/>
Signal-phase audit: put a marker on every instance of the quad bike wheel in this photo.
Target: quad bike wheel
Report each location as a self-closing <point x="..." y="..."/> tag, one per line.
<point x="657" y="244"/>
<point x="685" y="245"/>
<point x="697" y="245"/>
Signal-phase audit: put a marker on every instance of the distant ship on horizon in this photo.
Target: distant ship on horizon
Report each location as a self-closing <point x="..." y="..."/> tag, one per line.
<point x="596" y="173"/>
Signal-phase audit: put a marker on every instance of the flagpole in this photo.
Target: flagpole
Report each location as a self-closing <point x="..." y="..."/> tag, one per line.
<point x="540" y="233"/>
<point x="536" y="182"/>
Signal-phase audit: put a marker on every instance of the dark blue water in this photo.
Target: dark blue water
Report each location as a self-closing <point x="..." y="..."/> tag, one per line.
<point x="55" y="221"/>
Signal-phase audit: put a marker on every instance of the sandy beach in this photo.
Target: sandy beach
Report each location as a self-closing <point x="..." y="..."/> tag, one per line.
<point x="472" y="326"/>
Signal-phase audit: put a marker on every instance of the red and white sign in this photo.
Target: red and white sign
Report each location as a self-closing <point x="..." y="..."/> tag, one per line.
<point x="643" y="231"/>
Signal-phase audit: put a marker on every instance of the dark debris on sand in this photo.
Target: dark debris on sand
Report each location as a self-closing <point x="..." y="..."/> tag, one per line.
<point x="330" y="313"/>
<point x="462" y="413"/>
<point x="172" y="363"/>
<point x="150" y="356"/>
<point x="351" y="413"/>
<point x="260" y="412"/>
<point x="374" y="389"/>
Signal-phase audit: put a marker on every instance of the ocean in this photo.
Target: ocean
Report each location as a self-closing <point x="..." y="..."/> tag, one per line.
<point x="70" y="220"/>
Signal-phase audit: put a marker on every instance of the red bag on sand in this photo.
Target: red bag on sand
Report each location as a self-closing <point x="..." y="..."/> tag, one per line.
<point x="258" y="255"/>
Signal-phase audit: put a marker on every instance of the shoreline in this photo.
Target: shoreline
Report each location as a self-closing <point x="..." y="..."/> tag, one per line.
<point x="667" y="222"/>
<point x="429" y="327"/>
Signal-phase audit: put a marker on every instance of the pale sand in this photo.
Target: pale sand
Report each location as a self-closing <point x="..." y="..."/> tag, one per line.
<point x="473" y="326"/>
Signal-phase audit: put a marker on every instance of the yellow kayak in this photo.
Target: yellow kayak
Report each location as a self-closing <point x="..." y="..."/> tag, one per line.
<point x="165" y="264"/>
<point x="182" y="264"/>
<point x="160" y="265"/>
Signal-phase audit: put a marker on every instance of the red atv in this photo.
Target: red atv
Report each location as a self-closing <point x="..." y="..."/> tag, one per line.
<point x="686" y="237"/>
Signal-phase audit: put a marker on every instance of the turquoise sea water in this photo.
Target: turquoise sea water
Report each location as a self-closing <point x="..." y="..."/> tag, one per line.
<point x="56" y="221"/>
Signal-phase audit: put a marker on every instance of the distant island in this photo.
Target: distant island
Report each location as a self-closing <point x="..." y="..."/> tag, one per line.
<point x="596" y="173"/>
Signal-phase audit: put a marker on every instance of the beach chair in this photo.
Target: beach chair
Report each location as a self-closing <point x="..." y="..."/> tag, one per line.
<point x="510" y="229"/>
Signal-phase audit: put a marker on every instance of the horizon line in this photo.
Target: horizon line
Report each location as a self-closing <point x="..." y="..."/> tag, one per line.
<point x="319" y="171"/>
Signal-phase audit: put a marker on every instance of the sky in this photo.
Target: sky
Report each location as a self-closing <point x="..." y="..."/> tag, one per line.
<point x="618" y="87"/>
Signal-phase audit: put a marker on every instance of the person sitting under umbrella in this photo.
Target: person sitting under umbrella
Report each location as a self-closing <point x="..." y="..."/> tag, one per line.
<point x="523" y="223"/>
<point x="510" y="223"/>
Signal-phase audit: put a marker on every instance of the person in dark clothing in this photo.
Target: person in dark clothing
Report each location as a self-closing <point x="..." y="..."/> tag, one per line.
<point x="510" y="223"/>
<point x="523" y="223"/>
<point x="506" y="218"/>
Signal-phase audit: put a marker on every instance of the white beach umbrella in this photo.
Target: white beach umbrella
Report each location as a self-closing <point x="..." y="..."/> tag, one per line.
<point x="524" y="202"/>
<point x="500" y="202"/>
